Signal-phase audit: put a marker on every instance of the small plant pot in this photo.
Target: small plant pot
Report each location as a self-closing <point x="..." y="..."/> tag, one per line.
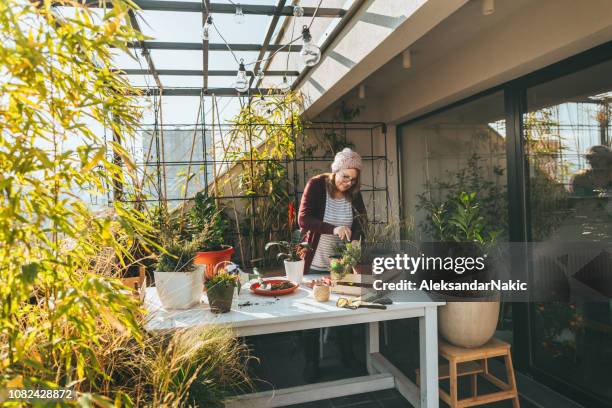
<point x="321" y="293"/>
<point x="211" y="258"/>
<point x="179" y="290"/>
<point x="220" y="298"/>
<point x="295" y="271"/>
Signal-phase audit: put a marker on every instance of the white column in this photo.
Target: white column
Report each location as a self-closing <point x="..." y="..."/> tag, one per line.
<point x="372" y="345"/>
<point x="428" y="345"/>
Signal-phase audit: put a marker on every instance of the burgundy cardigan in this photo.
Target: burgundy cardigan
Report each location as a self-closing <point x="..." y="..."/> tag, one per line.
<point x="312" y="211"/>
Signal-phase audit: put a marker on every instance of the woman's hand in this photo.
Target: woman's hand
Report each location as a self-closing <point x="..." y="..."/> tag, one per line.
<point x="344" y="233"/>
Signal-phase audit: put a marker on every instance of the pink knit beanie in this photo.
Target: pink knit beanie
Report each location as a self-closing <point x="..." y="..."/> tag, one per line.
<point x="346" y="159"/>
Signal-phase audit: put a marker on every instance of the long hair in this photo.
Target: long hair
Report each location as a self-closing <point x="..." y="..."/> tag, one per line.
<point x="350" y="194"/>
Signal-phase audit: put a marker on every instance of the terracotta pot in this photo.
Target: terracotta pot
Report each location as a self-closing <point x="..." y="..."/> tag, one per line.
<point x="179" y="290"/>
<point x="220" y="298"/>
<point x="211" y="258"/>
<point x="469" y="323"/>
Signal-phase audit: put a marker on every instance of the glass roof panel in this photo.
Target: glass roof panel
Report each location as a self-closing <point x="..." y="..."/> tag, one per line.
<point x="177" y="59"/>
<point x="171" y="26"/>
<point x="163" y="26"/>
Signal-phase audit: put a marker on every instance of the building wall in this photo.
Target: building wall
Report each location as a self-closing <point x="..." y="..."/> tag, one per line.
<point x="533" y="36"/>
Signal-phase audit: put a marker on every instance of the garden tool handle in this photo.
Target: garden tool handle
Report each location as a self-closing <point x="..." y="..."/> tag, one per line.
<point x="369" y="305"/>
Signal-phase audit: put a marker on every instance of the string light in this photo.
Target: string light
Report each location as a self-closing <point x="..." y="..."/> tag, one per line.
<point x="298" y="11"/>
<point x="242" y="82"/>
<point x="206" y="28"/>
<point x="261" y="107"/>
<point x="239" y="16"/>
<point x="284" y="86"/>
<point x="259" y="76"/>
<point x="311" y="54"/>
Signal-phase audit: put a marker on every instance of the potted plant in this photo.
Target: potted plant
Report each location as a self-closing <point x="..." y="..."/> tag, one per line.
<point x="220" y="290"/>
<point x="178" y="282"/>
<point x="289" y="253"/>
<point x="469" y="318"/>
<point x="346" y="261"/>
<point x="209" y="228"/>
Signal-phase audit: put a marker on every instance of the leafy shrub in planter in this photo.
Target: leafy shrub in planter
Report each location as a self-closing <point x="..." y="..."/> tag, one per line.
<point x="178" y="257"/>
<point x="207" y="223"/>
<point x="220" y="291"/>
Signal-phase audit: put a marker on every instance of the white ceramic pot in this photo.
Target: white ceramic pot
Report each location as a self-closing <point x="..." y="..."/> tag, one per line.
<point x="295" y="271"/>
<point x="469" y="324"/>
<point x="179" y="290"/>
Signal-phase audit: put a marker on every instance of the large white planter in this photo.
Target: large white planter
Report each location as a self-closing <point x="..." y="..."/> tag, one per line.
<point x="295" y="270"/>
<point x="468" y="324"/>
<point x="179" y="290"/>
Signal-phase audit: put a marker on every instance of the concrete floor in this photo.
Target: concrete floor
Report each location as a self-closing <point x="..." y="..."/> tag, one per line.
<point x="385" y="399"/>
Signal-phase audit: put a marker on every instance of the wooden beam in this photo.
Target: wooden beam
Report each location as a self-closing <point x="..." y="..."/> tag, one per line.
<point x="145" y="50"/>
<point x="266" y="42"/>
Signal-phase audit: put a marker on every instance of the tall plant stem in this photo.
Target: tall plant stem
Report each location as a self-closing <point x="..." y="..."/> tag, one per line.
<point x="225" y="149"/>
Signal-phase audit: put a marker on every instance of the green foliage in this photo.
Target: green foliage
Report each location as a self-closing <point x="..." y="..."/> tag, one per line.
<point x="553" y="320"/>
<point x="64" y="321"/>
<point x="460" y="220"/>
<point x="50" y="93"/>
<point x="269" y="130"/>
<point x="349" y="256"/>
<point x="492" y="196"/>
<point x="177" y="256"/>
<point x="188" y="367"/>
<point x="207" y="223"/>
<point x="223" y="279"/>
<point x="56" y="88"/>
<point x="289" y="250"/>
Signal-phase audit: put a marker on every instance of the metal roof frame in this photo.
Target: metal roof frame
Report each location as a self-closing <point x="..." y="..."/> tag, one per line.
<point x="268" y="45"/>
<point x="223" y="8"/>
<point x="199" y="72"/>
<point x="194" y="46"/>
<point x="199" y="91"/>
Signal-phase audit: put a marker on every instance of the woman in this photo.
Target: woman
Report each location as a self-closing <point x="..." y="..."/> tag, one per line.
<point x="332" y="210"/>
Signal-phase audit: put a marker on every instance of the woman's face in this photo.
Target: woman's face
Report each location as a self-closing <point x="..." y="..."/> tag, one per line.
<point x="345" y="179"/>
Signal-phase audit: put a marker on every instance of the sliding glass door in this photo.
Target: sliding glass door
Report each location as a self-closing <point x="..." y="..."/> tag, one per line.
<point x="567" y="139"/>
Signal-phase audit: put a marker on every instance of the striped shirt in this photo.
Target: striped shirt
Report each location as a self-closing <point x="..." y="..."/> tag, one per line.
<point x="338" y="212"/>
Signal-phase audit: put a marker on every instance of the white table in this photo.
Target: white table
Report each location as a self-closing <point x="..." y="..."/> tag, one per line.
<point x="299" y="311"/>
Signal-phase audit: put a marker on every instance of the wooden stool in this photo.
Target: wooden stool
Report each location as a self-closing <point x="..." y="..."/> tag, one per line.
<point x="472" y="362"/>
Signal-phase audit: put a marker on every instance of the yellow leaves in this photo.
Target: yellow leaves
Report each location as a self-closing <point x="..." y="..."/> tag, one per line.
<point x="15" y="382"/>
<point x="53" y="94"/>
<point x="99" y="155"/>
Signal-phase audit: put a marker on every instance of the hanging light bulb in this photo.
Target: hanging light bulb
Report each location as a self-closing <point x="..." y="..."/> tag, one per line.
<point x="284" y="86"/>
<point x="206" y="28"/>
<point x="242" y="82"/>
<point x="311" y="54"/>
<point x="298" y="11"/>
<point x="239" y="16"/>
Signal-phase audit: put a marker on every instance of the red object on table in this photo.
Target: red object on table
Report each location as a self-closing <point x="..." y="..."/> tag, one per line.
<point x="326" y="280"/>
<point x="255" y="288"/>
